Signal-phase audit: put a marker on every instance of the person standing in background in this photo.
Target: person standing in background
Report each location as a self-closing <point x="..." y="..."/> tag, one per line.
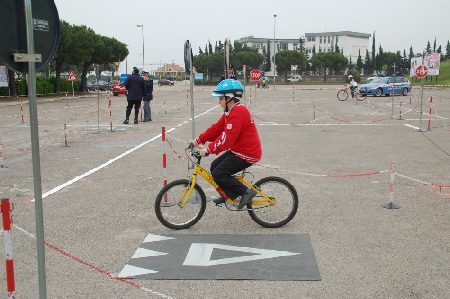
<point x="135" y="92"/>
<point x="148" y="96"/>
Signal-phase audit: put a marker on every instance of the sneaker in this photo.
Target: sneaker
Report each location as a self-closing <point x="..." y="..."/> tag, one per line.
<point x="125" y="122"/>
<point x="219" y="201"/>
<point x="246" y="198"/>
<point x="135" y="121"/>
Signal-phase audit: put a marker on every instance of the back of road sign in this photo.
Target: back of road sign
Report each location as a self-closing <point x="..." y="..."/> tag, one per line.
<point x="13" y="33"/>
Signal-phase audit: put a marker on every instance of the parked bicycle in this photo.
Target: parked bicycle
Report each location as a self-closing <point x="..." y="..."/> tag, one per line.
<point x="343" y="94"/>
<point x="182" y="203"/>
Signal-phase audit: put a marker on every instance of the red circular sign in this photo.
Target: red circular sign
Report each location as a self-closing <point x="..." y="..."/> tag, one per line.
<point x="255" y="75"/>
<point x="421" y="71"/>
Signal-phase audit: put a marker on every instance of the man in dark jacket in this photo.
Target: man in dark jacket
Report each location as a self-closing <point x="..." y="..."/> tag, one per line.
<point x="148" y="96"/>
<point x="135" y="91"/>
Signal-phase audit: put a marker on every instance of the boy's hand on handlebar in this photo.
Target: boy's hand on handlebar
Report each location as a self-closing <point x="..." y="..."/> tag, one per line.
<point x="203" y="152"/>
<point x="193" y="142"/>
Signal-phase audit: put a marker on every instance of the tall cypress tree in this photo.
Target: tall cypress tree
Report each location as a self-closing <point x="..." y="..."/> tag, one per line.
<point x="434" y="45"/>
<point x="367" y="63"/>
<point x="359" y="63"/>
<point x="210" y="48"/>
<point x="374" y="61"/>
<point x="428" y="47"/>
<point x="447" y="50"/>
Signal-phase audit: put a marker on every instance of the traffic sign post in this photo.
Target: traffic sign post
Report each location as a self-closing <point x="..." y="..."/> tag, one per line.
<point x="72" y="77"/>
<point x="421" y="72"/>
<point x="255" y="75"/>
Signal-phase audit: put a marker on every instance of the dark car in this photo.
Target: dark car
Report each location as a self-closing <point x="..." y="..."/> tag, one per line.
<point x="90" y="86"/>
<point x="386" y="86"/>
<point x="165" y="82"/>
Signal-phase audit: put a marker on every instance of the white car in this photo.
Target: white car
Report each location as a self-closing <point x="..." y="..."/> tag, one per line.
<point x="295" y="78"/>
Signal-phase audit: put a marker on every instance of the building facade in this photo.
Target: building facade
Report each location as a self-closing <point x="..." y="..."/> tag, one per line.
<point x="349" y="43"/>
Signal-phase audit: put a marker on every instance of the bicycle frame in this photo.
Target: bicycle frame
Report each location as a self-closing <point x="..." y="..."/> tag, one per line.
<point x="262" y="200"/>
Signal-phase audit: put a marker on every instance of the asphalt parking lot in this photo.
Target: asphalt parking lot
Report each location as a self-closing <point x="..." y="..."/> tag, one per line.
<point x="338" y="155"/>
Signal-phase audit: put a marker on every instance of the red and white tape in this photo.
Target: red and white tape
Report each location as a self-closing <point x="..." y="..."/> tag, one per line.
<point x="7" y="239"/>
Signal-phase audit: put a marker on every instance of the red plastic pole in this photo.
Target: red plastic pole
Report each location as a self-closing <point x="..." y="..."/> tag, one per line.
<point x="7" y="221"/>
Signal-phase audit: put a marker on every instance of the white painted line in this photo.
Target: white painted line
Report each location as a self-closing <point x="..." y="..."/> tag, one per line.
<point x="94" y="170"/>
<point x="411" y="126"/>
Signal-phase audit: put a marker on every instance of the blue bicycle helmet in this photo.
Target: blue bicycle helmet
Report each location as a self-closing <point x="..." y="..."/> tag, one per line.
<point x="229" y="88"/>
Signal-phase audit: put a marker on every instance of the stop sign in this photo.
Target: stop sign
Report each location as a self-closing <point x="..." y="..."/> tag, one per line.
<point x="255" y="75"/>
<point x="421" y="71"/>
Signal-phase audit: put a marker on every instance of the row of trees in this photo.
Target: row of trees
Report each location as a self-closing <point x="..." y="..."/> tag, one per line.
<point x="80" y="48"/>
<point x="210" y="60"/>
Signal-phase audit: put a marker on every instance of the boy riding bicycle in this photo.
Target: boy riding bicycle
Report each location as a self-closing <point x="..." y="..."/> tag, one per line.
<point x="353" y="85"/>
<point x="236" y="134"/>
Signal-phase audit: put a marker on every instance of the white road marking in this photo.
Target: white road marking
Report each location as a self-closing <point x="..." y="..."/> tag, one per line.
<point x="411" y="126"/>
<point x="200" y="254"/>
<point x="94" y="170"/>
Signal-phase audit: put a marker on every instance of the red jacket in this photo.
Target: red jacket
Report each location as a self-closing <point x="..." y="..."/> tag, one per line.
<point x="235" y="131"/>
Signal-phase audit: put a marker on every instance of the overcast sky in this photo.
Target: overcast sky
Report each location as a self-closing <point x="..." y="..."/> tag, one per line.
<point x="169" y="23"/>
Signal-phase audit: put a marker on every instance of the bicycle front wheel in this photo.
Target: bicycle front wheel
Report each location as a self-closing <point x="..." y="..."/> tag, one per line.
<point x="359" y="96"/>
<point x="342" y="95"/>
<point x="283" y="210"/>
<point x="169" y="207"/>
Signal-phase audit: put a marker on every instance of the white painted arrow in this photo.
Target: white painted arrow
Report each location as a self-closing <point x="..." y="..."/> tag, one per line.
<point x="142" y="252"/>
<point x="130" y="271"/>
<point x="200" y="254"/>
<point x="156" y="238"/>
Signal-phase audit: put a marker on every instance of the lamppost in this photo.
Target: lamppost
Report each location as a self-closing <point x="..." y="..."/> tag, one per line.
<point x="143" y="55"/>
<point x="274" y="50"/>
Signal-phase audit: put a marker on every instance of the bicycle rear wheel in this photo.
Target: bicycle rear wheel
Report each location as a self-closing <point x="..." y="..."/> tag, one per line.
<point x="342" y="95"/>
<point x="359" y="96"/>
<point x="283" y="210"/>
<point x="170" y="211"/>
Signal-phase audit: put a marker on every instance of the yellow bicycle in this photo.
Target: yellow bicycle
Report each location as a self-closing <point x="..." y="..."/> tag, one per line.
<point x="181" y="203"/>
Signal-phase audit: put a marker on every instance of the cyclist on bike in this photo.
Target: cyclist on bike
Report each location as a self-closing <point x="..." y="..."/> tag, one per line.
<point x="353" y="85"/>
<point x="236" y="134"/>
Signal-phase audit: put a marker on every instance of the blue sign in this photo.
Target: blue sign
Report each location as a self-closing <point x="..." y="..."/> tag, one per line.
<point x="198" y="76"/>
<point x="123" y="78"/>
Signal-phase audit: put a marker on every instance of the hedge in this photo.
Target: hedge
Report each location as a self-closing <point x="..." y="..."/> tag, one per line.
<point x="43" y="86"/>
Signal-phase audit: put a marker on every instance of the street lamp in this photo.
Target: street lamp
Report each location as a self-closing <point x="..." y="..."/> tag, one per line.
<point x="274" y="50"/>
<point x="142" y="27"/>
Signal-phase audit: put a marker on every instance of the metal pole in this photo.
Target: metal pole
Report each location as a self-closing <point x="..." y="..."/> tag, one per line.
<point x="98" y="99"/>
<point x="274" y="50"/>
<point x="392" y="92"/>
<point x="421" y="97"/>
<point x="191" y="90"/>
<point x="143" y="51"/>
<point x="35" y="154"/>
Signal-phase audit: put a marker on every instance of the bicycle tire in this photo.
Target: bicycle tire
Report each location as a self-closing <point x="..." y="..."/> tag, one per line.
<point x="342" y="95"/>
<point x="194" y="209"/>
<point x="283" y="214"/>
<point x="359" y="96"/>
